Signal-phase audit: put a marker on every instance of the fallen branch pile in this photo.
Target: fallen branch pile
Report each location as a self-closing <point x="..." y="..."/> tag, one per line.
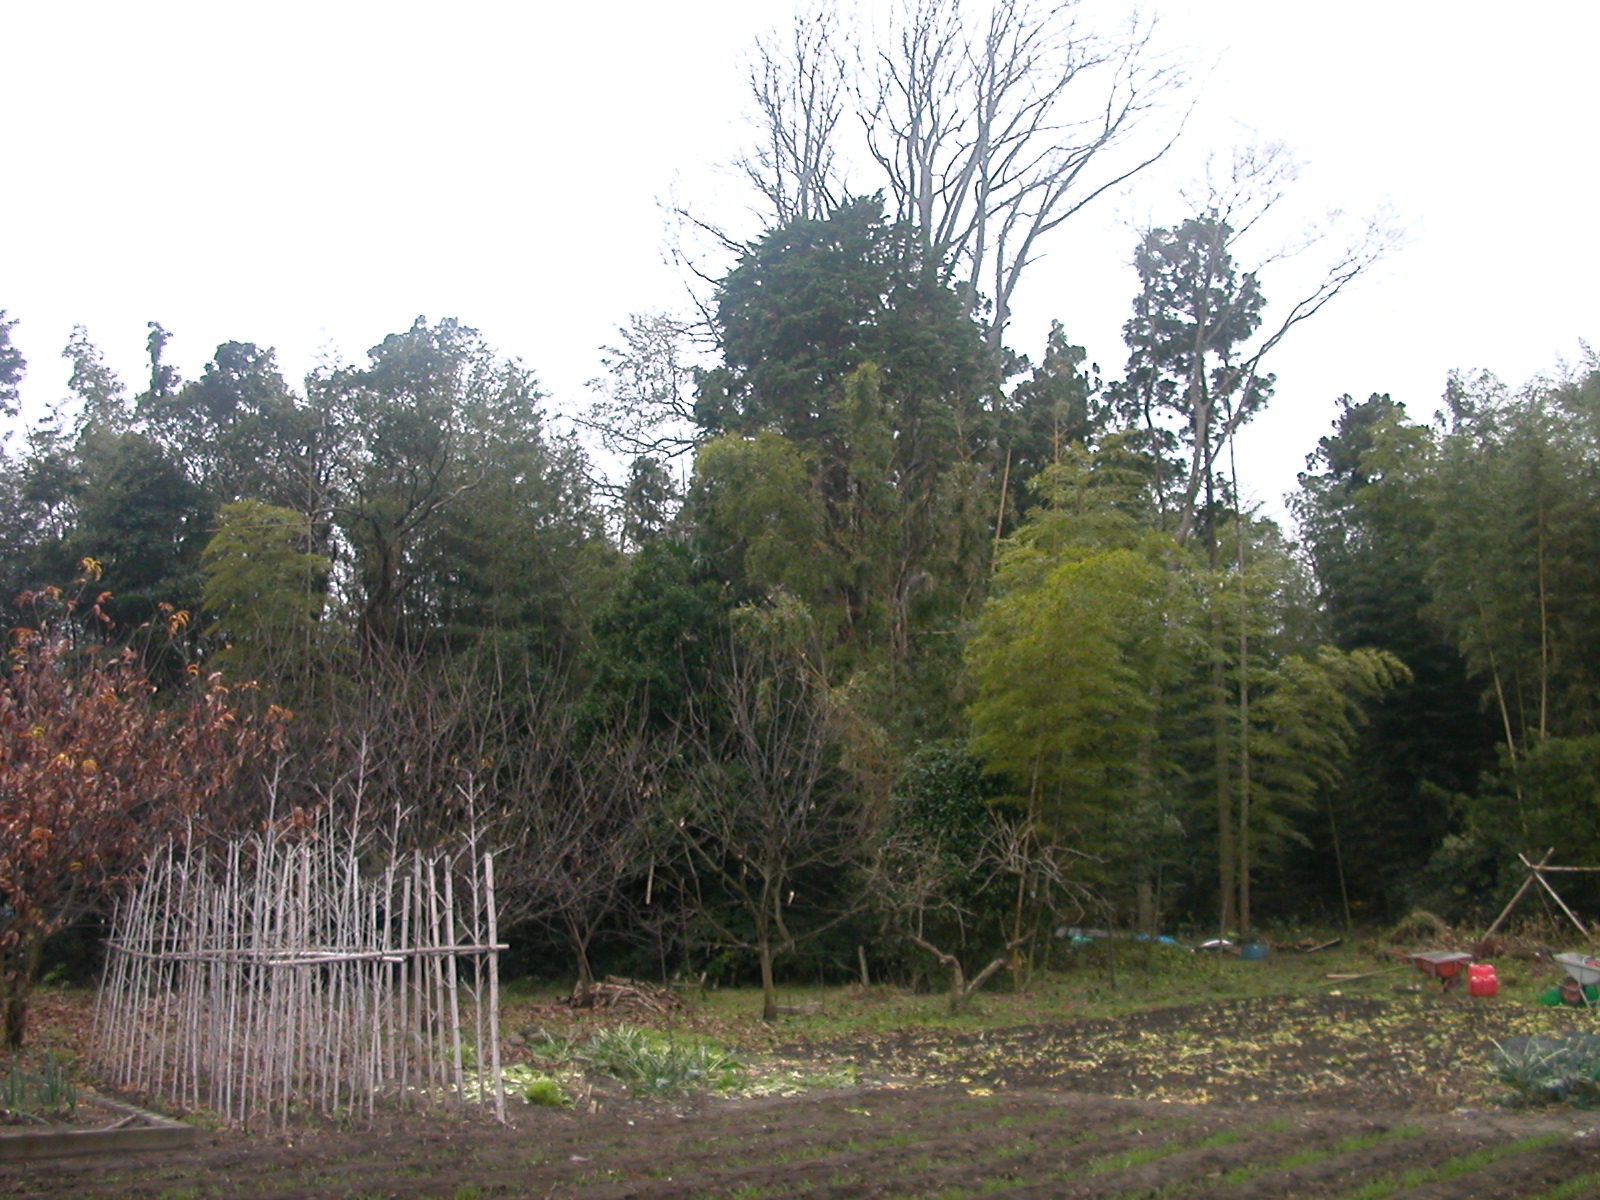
<point x="627" y="994"/>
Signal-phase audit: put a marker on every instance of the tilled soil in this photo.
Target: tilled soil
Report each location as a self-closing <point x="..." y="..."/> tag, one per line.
<point x="1305" y="1098"/>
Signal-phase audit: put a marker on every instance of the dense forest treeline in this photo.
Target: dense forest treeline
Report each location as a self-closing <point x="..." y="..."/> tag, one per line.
<point x="937" y="651"/>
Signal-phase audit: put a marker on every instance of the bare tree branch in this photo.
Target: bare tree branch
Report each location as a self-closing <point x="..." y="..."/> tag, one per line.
<point x="797" y="88"/>
<point x="985" y="141"/>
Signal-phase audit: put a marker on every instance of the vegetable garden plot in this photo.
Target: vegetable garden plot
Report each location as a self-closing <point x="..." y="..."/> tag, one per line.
<point x="276" y="978"/>
<point x="915" y="1144"/>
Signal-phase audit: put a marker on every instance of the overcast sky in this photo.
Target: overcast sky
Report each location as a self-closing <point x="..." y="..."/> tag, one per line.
<point x="314" y="176"/>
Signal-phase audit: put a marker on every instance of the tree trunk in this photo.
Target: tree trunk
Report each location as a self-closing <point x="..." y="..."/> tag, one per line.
<point x="961" y="990"/>
<point x="769" y="990"/>
<point x="1148" y="917"/>
<point x="18" y="964"/>
<point x="580" y="951"/>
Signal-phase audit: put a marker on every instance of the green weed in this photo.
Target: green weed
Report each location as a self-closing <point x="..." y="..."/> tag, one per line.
<point x="1587" y="1184"/>
<point x="1354" y="1144"/>
<point x="1140" y="1155"/>
<point x="1450" y="1168"/>
<point x="1551" y="1070"/>
<point x="45" y="1091"/>
<point x="653" y="1063"/>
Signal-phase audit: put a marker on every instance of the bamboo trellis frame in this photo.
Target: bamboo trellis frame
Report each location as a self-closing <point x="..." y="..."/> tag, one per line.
<point x="1536" y="874"/>
<point x="273" y="978"/>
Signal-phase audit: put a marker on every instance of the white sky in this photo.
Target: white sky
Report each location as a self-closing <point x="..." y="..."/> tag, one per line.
<point x="312" y="176"/>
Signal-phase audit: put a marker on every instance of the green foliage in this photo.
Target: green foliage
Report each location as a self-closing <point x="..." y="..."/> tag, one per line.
<point x="1515" y="552"/>
<point x="546" y="1093"/>
<point x="535" y="1088"/>
<point x="654" y="1063"/>
<point x="654" y="637"/>
<point x="759" y="521"/>
<point x="12" y="368"/>
<point x="1304" y="726"/>
<point x="44" y="1091"/>
<point x="265" y="590"/>
<point x="648" y="501"/>
<point x="1068" y="660"/>
<point x="1551" y="1070"/>
<point x="1060" y="700"/>
<point x="850" y="400"/>
<point x="814" y="299"/>
<point x="1548" y="797"/>
<point x="101" y="397"/>
<point x="464" y="518"/>
<point x="935" y="876"/>
<point x="238" y="430"/>
<point x="1365" y="514"/>
<point x="142" y="518"/>
<point x="940" y="801"/>
<point x="1058" y="408"/>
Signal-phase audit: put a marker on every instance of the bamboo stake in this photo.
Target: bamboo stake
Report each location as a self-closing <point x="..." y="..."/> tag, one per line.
<point x="436" y="1001"/>
<point x="449" y="967"/>
<point x="475" y="935"/>
<point x="1554" y="895"/>
<point x="1521" y="891"/>
<point x="494" y="989"/>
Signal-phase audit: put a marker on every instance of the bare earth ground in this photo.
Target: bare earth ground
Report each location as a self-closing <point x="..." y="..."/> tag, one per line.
<point x="1311" y="1096"/>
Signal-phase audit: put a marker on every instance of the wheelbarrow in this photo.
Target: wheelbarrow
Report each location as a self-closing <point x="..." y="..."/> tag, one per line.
<point x="1583" y="968"/>
<point x="1583" y="973"/>
<point x="1444" y="965"/>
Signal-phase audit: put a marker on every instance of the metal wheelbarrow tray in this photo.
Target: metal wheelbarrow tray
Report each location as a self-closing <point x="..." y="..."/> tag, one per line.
<point x="1584" y="968"/>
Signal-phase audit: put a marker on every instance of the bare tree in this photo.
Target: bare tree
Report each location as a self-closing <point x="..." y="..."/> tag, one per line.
<point x="578" y="836"/>
<point x="646" y="404"/>
<point x="987" y="133"/>
<point x="428" y="756"/>
<point x="769" y="825"/>
<point x="919" y="886"/>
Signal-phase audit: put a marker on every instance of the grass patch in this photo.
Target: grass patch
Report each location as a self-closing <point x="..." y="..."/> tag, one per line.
<point x="1124" y="1159"/>
<point x="1587" y="1184"/>
<point x="1109" y="979"/>
<point x="1450" y="1168"/>
<point x="534" y="1086"/>
<point x="1354" y="1144"/>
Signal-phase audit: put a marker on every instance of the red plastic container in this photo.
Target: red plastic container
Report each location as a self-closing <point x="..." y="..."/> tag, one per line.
<point x="1481" y="980"/>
